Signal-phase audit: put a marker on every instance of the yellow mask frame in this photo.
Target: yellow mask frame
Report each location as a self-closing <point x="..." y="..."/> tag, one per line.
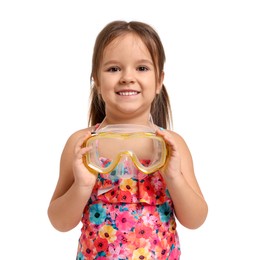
<point x="96" y="137"/>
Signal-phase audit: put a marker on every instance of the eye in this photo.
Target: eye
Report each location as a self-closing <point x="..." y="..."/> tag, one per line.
<point x="143" y="68"/>
<point x="113" y="69"/>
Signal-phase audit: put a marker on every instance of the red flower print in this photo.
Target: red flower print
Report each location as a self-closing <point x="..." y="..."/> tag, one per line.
<point x="89" y="247"/>
<point x="125" y="196"/>
<point x="111" y="196"/>
<point x="147" y="186"/>
<point x="89" y="251"/>
<point x="101" y="244"/>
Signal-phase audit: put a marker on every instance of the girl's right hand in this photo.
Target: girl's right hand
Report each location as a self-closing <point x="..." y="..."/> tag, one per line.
<point x="83" y="177"/>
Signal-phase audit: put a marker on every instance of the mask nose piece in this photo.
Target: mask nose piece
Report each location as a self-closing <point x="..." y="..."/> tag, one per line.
<point x="126" y="168"/>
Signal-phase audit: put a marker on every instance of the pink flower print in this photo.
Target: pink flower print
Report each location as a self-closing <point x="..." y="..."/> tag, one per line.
<point x="162" y="249"/>
<point x="175" y="254"/>
<point x="157" y="181"/>
<point x="125" y="221"/>
<point x="150" y="216"/>
<point x="143" y="231"/>
<point x="139" y="243"/>
<point x="170" y="240"/>
<point x="117" y="251"/>
<point x="162" y="233"/>
<point x="122" y="238"/>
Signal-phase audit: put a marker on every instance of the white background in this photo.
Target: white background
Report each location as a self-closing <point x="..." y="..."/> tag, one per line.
<point x="214" y="74"/>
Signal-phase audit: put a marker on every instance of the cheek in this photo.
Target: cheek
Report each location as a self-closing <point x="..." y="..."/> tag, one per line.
<point x="152" y="86"/>
<point x="107" y="82"/>
<point x="106" y="89"/>
<point x="104" y="85"/>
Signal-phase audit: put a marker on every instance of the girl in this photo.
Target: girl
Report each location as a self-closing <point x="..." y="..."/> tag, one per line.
<point x="127" y="217"/>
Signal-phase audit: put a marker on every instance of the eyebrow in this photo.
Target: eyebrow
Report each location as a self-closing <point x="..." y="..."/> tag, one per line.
<point x="145" y="61"/>
<point x="142" y="61"/>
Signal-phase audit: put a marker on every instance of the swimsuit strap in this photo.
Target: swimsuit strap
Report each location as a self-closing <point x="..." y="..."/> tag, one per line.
<point x="95" y="128"/>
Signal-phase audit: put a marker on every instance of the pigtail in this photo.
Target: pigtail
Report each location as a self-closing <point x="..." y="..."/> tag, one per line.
<point x="161" y="109"/>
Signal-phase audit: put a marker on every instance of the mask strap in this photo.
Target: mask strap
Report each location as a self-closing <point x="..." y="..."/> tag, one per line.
<point x="150" y="120"/>
<point x="152" y="123"/>
<point x="99" y="125"/>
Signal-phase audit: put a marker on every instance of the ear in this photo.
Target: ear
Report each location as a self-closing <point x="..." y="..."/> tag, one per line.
<point x="98" y="89"/>
<point x="160" y="83"/>
<point x="96" y="85"/>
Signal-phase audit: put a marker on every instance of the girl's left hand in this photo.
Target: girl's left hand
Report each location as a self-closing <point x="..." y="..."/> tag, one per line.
<point x="172" y="167"/>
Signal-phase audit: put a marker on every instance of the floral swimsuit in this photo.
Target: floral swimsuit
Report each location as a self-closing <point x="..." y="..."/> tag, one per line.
<point x="129" y="218"/>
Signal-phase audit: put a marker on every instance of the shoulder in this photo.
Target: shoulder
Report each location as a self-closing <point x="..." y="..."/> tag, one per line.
<point x="178" y="138"/>
<point x="74" y="137"/>
<point x="80" y="132"/>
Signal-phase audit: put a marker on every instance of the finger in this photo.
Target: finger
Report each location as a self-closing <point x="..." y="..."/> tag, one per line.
<point x="83" y="138"/>
<point x="81" y="141"/>
<point x="168" y="138"/>
<point x="80" y="148"/>
<point x="79" y="154"/>
<point x="170" y="142"/>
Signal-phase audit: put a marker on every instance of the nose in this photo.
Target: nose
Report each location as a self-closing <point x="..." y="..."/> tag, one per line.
<point x="127" y="77"/>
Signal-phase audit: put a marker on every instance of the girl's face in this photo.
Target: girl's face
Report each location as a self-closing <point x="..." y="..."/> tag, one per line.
<point x="127" y="79"/>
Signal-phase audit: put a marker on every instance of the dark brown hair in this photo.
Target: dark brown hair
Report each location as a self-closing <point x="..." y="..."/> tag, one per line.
<point x="160" y="108"/>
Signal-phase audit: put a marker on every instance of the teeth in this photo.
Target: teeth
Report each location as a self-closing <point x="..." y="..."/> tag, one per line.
<point x="128" y="93"/>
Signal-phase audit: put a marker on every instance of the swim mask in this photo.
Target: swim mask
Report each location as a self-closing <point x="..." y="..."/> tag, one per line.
<point x="123" y="147"/>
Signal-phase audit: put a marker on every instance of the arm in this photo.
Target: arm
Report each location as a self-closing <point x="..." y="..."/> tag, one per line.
<point x="190" y="206"/>
<point x="74" y="185"/>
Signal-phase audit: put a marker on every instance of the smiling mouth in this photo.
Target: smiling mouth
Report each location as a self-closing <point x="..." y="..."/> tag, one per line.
<point x="128" y="93"/>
